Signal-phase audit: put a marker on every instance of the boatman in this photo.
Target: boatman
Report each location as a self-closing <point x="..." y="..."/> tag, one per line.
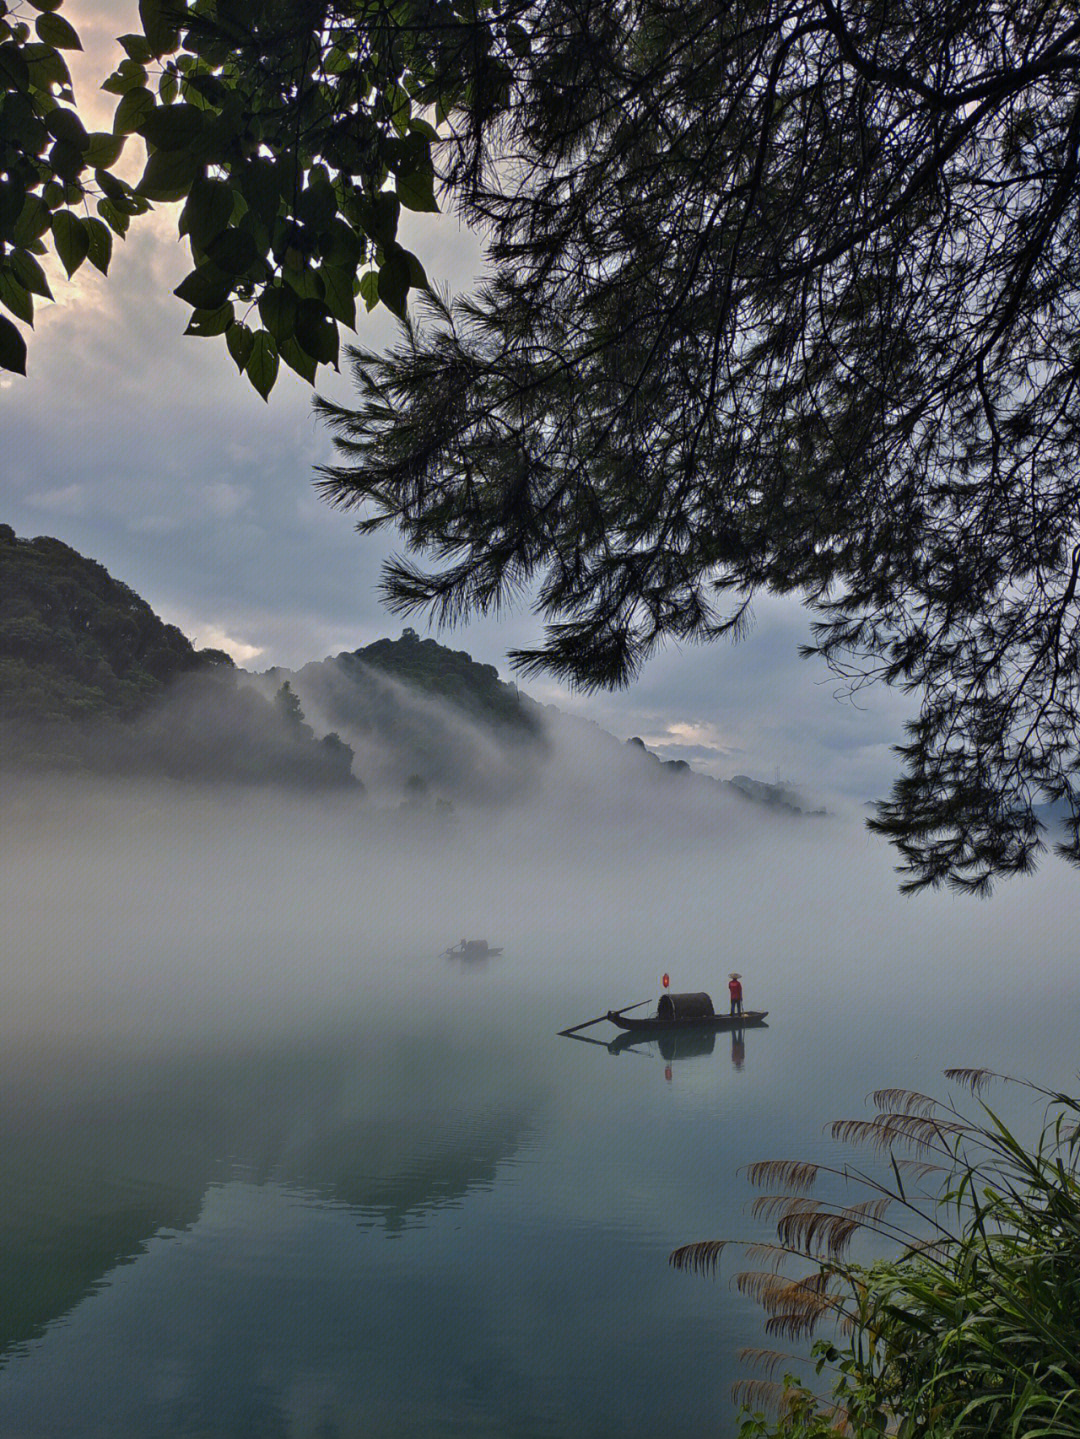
<point x="735" y="990"/>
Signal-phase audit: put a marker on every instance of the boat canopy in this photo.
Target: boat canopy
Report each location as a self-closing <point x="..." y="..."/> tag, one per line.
<point x="684" y="1006"/>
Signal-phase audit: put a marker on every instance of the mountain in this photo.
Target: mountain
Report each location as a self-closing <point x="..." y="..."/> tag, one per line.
<point x="91" y="678"/>
<point x="425" y="721"/>
<point x="77" y="644"/>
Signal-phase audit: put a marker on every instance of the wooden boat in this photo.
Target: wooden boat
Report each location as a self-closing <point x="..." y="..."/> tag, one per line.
<point x="686" y="1011"/>
<point x="653" y="1024"/>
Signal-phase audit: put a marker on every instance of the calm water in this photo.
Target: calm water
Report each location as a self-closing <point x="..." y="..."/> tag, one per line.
<point x="273" y="1167"/>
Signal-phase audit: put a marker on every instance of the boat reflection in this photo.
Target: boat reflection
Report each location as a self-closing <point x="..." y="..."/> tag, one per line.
<point x="674" y="1045"/>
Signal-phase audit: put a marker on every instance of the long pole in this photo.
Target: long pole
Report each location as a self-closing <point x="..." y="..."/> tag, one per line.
<point x="601" y="1017"/>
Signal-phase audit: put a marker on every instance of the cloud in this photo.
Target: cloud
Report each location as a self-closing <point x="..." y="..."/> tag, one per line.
<point x="213" y="637"/>
<point x="67" y="500"/>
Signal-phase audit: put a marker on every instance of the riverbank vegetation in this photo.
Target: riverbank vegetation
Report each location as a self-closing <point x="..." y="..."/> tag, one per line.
<point x="972" y="1329"/>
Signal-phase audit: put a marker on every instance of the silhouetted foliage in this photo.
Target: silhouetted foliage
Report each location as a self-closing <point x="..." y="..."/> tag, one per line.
<point x="292" y="131"/>
<point x="784" y="297"/>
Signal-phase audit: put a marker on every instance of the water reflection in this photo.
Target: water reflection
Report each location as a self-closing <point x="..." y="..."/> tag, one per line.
<point x="674" y="1045"/>
<point x="101" y="1154"/>
<point x="299" y="1175"/>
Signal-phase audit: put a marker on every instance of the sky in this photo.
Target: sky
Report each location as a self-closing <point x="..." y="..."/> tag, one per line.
<point x="147" y="452"/>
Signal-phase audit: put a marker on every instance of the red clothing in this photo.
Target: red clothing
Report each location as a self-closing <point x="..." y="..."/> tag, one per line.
<point x="735" y="990"/>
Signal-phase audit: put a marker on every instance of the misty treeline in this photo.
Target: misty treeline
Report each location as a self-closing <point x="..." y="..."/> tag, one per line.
<point x="92" y="680"/>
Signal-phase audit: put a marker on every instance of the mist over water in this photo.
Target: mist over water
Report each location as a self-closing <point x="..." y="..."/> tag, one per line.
<point x="275" y="1162"/>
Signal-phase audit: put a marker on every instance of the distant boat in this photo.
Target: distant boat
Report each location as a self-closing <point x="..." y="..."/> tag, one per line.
<point x="472" y="949"/>
<point x="686" y="1011"/>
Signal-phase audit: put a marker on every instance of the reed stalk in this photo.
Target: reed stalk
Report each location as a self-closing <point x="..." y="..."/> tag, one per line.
<point x="971" y="1330"/>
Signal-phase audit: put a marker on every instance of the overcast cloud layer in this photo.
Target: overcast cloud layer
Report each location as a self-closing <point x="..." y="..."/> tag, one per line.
<point x="147" y="452"/>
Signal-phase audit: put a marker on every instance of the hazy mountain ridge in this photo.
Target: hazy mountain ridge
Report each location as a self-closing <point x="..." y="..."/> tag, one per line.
<point x="92" y="679"/>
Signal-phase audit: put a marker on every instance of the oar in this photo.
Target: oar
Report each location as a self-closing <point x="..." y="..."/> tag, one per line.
<point x="601" y="1017"/>
<point x="609" y="1045"/>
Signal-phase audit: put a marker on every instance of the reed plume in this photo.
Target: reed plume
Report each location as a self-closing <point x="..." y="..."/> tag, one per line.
<point x="971" y="1329"/>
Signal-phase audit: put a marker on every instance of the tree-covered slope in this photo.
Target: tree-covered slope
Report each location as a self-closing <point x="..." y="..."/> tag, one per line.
<point x="77" y="644"/>
<point x="450" y="675"/>
<point x="91" y="678"/>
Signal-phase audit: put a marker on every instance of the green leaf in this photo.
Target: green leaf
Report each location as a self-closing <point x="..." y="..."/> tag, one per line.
<point x="209" y="88"/>
<point x="29" y="273"/>
<point x="278" y="307"/>
<point x="262" y="365"/>
<point x="117" y="220"/>
<point x="316" y="206"/>
<point x="168" y="86"/>
<point x="517" y="37"/>
<point x="342" y="246"/>
<point x="418" y="280"/>
<point x="159" y="22"/>
<point x="33" y="221"/>
<point x="259" y="184"/>
<point x="416" y="191"/>
<point x="208" y="211"/>
<point x="121" y="194"/>
<point x="233" y="251"/>
<point x="128" y="75"/>
<point x="299" y="360"/>
<point x="316" y="332"/>
<point x="16" y="297"/>
<point x="104" y="149"/>
<point x="369" y="289"/>
<point x="419" y="126"/>
<point x="55" y="30"/>
<point x="67" y="164"/>
<point x="64" y="124"/>
<point x="72" y="240"/>
<point x="100" y="252"/>
<point x="169" y="175"/>
<point x="136" y="47"/>
<point x="132" y="109"/>
<point x="302" y="278"/>
<point x="12" y="347"/>
<point x="206" y="288"/>
<point x="394" y="282"/>
<point x="211" y="322"/>
<point x="171" y="127"/>
<point x="45" y="4"/>
<point x="46" y="66"/>
<point x="14" y="71"/>
<point x="239" y="340"/>
<point x="381" y="219"/>
<point x="338" y="289"/>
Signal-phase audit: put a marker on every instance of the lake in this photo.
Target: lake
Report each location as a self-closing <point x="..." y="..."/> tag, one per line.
<point x="274" y="1165"/>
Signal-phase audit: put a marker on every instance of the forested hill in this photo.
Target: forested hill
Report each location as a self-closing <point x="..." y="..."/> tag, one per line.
<point x="91" y="678"/>
<point x="425" y="722"/>
<point x="450" y="675"/>
<point x="75" y="644"/>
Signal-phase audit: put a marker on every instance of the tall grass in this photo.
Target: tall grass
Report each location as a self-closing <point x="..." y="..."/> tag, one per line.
<point x="972" y="1329"/>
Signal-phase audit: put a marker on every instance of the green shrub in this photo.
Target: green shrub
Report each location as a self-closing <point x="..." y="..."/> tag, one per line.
<point x="972" y="1330"/>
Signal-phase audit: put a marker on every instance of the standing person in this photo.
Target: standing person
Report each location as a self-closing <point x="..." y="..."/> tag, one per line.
<point x="735" y="990"/>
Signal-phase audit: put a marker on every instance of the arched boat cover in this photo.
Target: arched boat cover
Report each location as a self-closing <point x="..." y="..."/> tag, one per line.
<point x="684" y="1006"/>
